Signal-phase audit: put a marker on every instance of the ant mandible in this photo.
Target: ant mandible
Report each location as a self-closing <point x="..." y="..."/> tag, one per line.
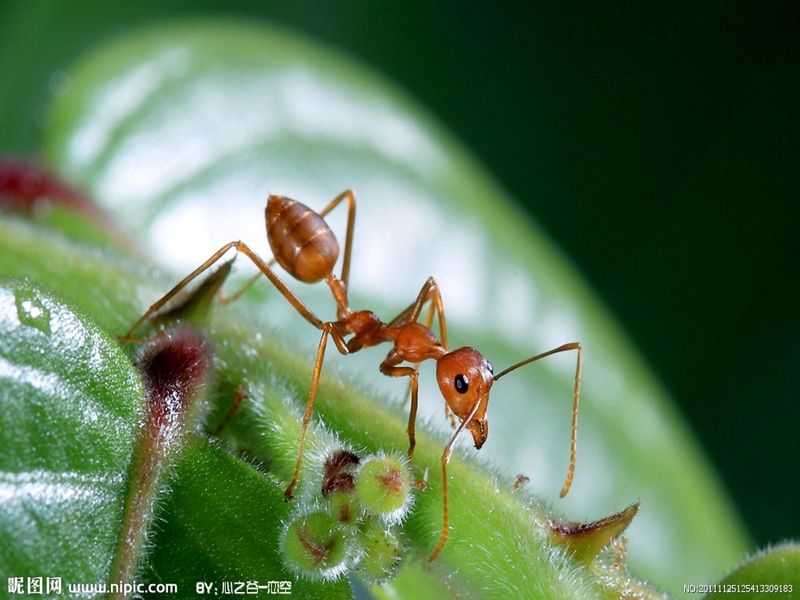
<point x="304" y="245"/>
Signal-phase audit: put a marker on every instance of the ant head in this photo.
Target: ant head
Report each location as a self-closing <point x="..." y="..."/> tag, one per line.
<point x="465" y="378"/>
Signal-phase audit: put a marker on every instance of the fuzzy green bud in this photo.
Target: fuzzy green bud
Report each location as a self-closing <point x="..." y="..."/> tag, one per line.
<point x="382" y="551"/>
<point x="383" y="487"/>
<point x="344" y="507"/>
<point x="316" y="546"/>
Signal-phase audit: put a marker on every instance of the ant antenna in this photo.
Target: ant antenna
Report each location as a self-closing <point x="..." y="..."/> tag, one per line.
<point x="576" y="395"/>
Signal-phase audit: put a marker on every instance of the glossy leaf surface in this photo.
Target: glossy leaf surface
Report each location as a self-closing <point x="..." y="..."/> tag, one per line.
<point x="71" y="404"/>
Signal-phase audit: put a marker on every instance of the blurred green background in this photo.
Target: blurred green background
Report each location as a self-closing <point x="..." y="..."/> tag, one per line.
<point x="658" y="143"/>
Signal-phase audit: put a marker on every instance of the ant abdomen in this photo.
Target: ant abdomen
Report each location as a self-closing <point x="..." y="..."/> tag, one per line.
<point x="300" y="239"/>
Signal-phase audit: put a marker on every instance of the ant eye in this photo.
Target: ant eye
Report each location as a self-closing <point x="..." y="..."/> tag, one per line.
<point x="491" y="368"/>
<point x="461" y="384"/>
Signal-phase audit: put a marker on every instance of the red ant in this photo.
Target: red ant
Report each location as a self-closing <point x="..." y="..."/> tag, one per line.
<point x="305" y="246"/>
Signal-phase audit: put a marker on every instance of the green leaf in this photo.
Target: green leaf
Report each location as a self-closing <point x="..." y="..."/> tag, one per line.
<point x="771" y="574"/>
<point x="221" y="524"/>
<point x="182" y="131"/>
<point x="71" y="406"/>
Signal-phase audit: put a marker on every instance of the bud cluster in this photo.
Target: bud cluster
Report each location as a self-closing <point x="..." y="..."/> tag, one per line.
<point x="353" y="523"/>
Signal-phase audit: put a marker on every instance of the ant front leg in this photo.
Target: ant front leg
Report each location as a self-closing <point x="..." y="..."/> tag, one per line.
<point x="387" y="368"/>
<point x="449" y="414"/>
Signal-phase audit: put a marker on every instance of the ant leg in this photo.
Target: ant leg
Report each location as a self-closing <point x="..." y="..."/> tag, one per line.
<point x="290" y="296"/>
<point x="327" y="329"/>
<point x="392" y="371"/>
<point x="182" y="284"/>
<point x="430" y="291"/>
<point x="240" y="292"/>
<point x="195" y="302"/>
<point x="237" y="401"/>
<point x="350" y="196"/>
<point x="223" y="300"/>
<point x="448" y="452"/>
<point x="449" y="414"/>
<point x="259" y="262"/>
<point x="437" y="306"/>
<point x="339" y="285"/>
<point x="575" y="395"/>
